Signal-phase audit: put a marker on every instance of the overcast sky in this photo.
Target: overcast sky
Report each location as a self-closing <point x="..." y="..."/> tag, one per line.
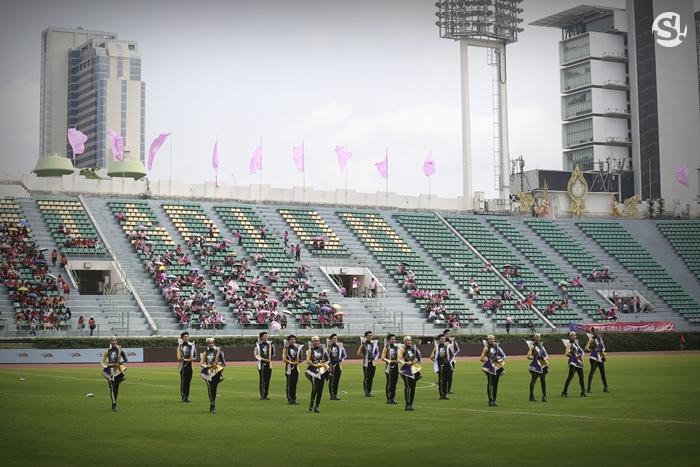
<point x="366" y="73"/>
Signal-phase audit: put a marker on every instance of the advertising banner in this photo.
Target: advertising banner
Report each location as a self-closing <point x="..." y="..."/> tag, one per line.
<point x="63" y="355"/>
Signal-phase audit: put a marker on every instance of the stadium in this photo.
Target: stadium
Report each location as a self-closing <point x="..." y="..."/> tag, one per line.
<point x="161" y="304"/>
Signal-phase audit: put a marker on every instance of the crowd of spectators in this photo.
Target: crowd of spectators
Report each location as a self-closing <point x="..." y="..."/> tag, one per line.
<point x="38" y="297"/>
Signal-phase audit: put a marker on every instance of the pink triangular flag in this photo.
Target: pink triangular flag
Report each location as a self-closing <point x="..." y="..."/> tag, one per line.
<point x="298" y="156"/>
<point x="117" y="141"/>
<point x="383" y="166"/>
<point x="429" y="165"/>
<point x="155" y="146"/>
<point x="77" y="140"/>
<point x="343" y="156"/>
<point x="255" y="163"/>
<point x="682" y="175"/>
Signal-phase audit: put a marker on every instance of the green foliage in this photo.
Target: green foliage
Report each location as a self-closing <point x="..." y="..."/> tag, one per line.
<point x="90" y="173"/>
<point x="615" y="342"/>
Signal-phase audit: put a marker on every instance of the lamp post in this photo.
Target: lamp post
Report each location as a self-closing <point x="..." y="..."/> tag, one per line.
<point x="490" y="24"/>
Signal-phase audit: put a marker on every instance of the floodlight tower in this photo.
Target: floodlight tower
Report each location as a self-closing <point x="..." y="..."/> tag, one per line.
<point x="491" y="24"/>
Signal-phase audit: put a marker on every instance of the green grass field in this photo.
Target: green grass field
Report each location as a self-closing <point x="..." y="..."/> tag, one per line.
<point x="650" y="417"/>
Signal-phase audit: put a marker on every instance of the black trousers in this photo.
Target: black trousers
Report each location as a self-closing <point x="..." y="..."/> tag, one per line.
<point x="185" y="380"/>
<point x="492" y="386"/>
<point x="316" y="390"/>
<point x="334" y="380"/>
<point x="533" y="379"/>
<point x="594" y="366"/>
<point x="265" y="372"/>
<point x="444" y="376"/>
<point x="292" y="380"/>
<point x="212" y="386"/>
<point x="572" y="370"/>
<point x="449" y="378"/>
<point x="391" y="379"/>
<point x="114" y="387"/>
<point x="369" y="378"/>
<point x="409" y="390"/>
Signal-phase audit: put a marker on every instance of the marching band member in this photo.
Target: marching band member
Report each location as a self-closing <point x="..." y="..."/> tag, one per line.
<point x="213" y="363"/>
<point x="493" y="357"/>
<point x="186" y="352"/>
<point x="291" y="355"/>
<point x="317" y="360"/>
<point x="368" y="352"/>
<point x="575" y="354"/>
<point x="597" y="357"/>
<point x="337" y="355"/>
<point x="455" y="351"/>
<point x="264" y="351"/>
<point x="441" y="357"/>
<point x="539" y="367"/>
<point x="409" y="359"/>
<point x="114" y="369"/>
<point x="390" y="354"/>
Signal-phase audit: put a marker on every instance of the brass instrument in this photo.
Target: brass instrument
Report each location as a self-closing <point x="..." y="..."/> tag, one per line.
<point x="323" y="367"/>
<point x="415" y="368"/>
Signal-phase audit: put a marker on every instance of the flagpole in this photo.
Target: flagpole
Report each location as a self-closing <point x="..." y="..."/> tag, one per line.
<point x="347" y="169"/>
<point x="303" y="172"/>
<point x="261" y="169"/>
<point x="386" y="158"/>
<point x="170" y="175"/>
<point x="429" y="180"/>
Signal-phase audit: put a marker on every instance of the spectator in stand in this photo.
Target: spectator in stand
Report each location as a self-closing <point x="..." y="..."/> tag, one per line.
<point x="81" y="324"/>
<point x="509" y="323"/>
<point x="54" y="257"/>
<point x="297" y="253"/>
<point x="343" y="292"/>
<point x="637" y="304"/>
<point x="239" y="237"/>
<point x="355" y="286"/>
<point x="612" y="313"/>
<point x="373" y="287"/>
<point x="64" y="260"/>
<point x="285" y="237"/>
<point x="92" y="324"/>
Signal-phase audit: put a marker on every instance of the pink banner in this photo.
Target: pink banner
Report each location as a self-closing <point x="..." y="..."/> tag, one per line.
<point x="383" y="167"/>
<point x="117" y="144"/>
<point x="298" y="155"/>
<point x="255" y="163"/>
<point x="429" y="165"/>
<point x="155" y="146"/>
<point x="77" y="140"/>
<point x="682" y="175"/>
<point x="642" y="326"/>
<point x="343" y="156"/>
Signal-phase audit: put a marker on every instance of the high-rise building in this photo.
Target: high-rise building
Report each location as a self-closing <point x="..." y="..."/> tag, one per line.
<point x="626" y="97"/>
<point x="594" y="86"/>
<point x="91" y="80"/>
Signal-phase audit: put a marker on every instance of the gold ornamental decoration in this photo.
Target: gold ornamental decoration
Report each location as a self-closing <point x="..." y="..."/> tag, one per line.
<point x="542" y="203"/>
<point x="526" y="201"/>
<point x="631" y="204"/>
<point x="578" y="191"/>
